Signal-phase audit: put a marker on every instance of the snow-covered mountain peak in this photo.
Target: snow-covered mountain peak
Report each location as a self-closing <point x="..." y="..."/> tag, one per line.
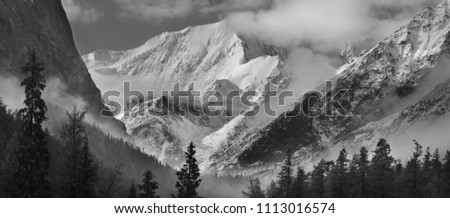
<point x="211" y="56"/>
<point x="200" y="54"/>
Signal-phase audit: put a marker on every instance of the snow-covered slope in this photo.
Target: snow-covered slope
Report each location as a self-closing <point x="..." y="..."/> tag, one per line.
<point x="434" y="107"/>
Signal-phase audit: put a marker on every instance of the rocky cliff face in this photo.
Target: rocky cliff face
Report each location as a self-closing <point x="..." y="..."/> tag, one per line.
<point x="42" y="25"/>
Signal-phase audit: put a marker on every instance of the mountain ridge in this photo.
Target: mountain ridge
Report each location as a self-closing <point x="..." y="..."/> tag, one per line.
<point x="400" y="61"/>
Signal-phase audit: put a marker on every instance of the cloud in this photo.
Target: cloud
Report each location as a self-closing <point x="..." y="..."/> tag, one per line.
<point x="80" y="11"/>
<point x="233" y="5"/>
<point x="11" y="92"/>
<point x="55" y="93"/>
<point x="158" y="10"/>
<point x="326" y="24"/>
<point x="155" y="9"/>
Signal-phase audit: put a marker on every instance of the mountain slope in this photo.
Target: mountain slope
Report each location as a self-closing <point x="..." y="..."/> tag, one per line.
<point x="379" y="83"/>
<point x="429" y="114"/>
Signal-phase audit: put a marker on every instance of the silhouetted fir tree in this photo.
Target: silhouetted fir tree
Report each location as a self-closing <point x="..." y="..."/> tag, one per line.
<point x="399" y="185"/>
<point x="9" y="124"/>
<point x="427" y="161"/>
<point x="339" y="176"/>
<point x="89" y="172"/>
<point x="285" y="176"/>
<point x="353" y="177"/>
<point x="330" y="180"/>
<point x="413" y="175"/>
<point x="30" y="176"/>
<point x="110" y="181"/>
<point x="427" y="186"/>
<point x="189" y="176"/>
<point x="148" y="186"/>
<point x="272" y="190"/>
<point x="436" y="174"/>
<point x="132" y="191"/>
<point x="363" y="170"/>
<point x="300" y="187"/>
<point x="446" y="176"/>
<point x="254" y="189"/>
<point x="79" y="168"/>
<point x="381" y="173"/>
<point x="9" y="166"/>
<point x="318" y="179"/>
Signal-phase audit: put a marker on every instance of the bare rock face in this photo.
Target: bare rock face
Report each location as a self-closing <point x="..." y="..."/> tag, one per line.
<point x="42" y="25"/>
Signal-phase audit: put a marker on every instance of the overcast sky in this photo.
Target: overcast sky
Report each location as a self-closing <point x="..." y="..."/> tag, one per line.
<point x="322" y="24"/>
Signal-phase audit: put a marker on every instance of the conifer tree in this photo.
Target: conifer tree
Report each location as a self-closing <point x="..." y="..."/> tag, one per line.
<point x="353" y="184"/>
<point x="436" y="174"/>
<point x="148" y="186"/>
<point x="3" y="129"/>
<point x="285" y="176"/>
<point x="254" y="189"/>
<point x="318" y="179"/>
<point x="9" y="165"/>
<point x="398" y="179"/>
<point x="272" y="190"/>
<point x="339" y="174"/>
<point x="88" y="172"/>
<point x="300" y="185"/>
<point x="427" y="161"/>
<point x="189" y="176"/>
<point x="79" y="169"/>
<point x="32" y="155"/>
<point x="8" y="135"/>
<point x="382" y="171"/>
<point x="446" y="176"/>
<point x="426" y="174"/>
<point x="413" y="172"/>
<point x="111" y="180"/>
<point x="363" y="170"/>
<point x="132" y="191"/>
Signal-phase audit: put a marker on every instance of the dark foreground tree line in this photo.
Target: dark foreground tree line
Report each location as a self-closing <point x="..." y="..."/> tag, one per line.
<point x="424" y="175"/>
<point x="34" y="163"/>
